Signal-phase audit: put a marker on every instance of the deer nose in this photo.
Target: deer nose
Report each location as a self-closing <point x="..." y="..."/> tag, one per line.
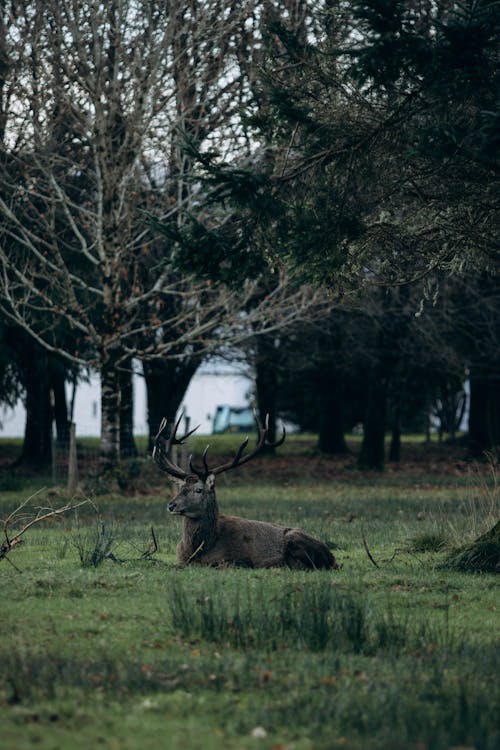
<point x="172" y="506"/>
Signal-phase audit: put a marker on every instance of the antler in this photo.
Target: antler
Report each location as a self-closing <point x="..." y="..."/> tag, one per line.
<point x="164" y="441"/>
<point x="240" y="456"/>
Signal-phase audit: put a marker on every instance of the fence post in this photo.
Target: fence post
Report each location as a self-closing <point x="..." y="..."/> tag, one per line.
<point x="72" y="460"/>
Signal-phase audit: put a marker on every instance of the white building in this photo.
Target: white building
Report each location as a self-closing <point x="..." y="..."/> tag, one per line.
<point x="213" y="384"/>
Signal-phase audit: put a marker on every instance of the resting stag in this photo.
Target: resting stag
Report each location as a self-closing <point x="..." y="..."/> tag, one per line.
<point x="215" y="539"/>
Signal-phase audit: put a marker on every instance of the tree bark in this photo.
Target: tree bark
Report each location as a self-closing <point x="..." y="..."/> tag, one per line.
<point x="58" y="380"/>
<point x="331" y="416"/>
<point x="395" y="447"/>
<point x="110" y="410"/>
<point x="372" y="454"/>
<point x="37" y="446"/>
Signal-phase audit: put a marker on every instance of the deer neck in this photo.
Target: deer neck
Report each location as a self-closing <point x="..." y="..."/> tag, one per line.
<point x="200" y="534"/>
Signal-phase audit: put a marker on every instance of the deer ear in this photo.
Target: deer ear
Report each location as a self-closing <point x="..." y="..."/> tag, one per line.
<point x="210" y="482"/>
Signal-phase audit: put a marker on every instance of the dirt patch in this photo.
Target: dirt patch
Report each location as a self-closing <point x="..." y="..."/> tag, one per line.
<point x="420" y="463"/>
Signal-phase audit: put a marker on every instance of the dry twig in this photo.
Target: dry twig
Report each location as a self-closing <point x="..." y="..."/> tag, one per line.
<point x="365" y="545"/>
<point x="153" y="547"/>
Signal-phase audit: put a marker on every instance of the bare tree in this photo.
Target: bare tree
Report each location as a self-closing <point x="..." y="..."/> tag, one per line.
<point x="101" y="97"/>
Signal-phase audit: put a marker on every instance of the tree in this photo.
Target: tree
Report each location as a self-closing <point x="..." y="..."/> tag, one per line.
<point x="37" y="377"/>
<point x="386" y="359"/>
<point x="395" y="151"/>
<point x="381" y="159"/>
<point x="473" y="307"/>
<point x="380" y="129"/>
<point x="102" y="97"/>
<point x="10" y="389"/>
<point x="319" y="379"/>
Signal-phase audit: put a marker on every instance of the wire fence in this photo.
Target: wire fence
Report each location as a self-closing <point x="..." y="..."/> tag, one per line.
<point x="78" y="456"/>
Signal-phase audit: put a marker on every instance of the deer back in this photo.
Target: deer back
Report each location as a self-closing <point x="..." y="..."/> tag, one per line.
<point x="241" y="541"/>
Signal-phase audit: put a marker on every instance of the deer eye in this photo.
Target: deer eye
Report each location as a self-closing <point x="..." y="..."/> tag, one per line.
<point x="198" y="490"/>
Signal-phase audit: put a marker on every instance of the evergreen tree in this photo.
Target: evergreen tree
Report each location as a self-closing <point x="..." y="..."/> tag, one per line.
<point x="379" y="163"/>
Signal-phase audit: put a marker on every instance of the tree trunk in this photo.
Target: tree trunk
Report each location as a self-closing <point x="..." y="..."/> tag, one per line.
<point x="484" y="415"/>
<point x="37" y="446"/>
<point x="128" y="448"/>
<point x="110" y="410"/>
<point x="58" y="380"/>
<point x="166" y="384"/>
<point x="372" y="454"/>
<point x="331" y="416"/>
<point x="395" y="447"/>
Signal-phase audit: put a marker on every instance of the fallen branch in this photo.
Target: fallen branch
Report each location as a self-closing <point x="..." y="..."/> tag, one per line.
<point x="365" y="545"/>
<point x="153" y="547"/>
<point x="27" y="520"/>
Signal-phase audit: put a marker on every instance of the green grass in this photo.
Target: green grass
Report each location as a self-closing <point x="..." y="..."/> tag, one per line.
<point x="144" y="654"/>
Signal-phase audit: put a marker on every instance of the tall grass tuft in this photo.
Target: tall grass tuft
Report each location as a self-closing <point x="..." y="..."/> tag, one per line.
<point x="428" y="541"/>
<point x="94" y="547"/>
<point x="315" y="617"/>
<point x="481" y="507"/>
<point x="481" y="553"/>
<point x="481" y="556"/>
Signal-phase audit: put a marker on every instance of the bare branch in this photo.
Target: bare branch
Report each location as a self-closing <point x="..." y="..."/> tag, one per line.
<point x="22" y="521"/>
<point x="369" y="554"/>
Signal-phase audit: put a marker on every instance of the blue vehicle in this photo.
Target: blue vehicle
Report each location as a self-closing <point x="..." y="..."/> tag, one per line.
<point x="233" y="419"/>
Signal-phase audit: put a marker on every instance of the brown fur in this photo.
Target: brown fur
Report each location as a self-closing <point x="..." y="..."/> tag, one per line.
<point x="212" y="538"/>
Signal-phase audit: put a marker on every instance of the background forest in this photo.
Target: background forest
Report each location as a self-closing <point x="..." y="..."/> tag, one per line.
<point x="312" y="186"/>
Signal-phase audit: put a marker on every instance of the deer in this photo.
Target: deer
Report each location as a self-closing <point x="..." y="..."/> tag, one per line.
<point x="214" y="539"/>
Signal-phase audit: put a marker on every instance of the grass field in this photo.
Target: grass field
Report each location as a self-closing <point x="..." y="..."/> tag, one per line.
<point x="137" y="653"/>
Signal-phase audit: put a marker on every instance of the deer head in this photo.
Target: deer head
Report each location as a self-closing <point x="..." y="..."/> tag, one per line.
<point x="195" y="497"/>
